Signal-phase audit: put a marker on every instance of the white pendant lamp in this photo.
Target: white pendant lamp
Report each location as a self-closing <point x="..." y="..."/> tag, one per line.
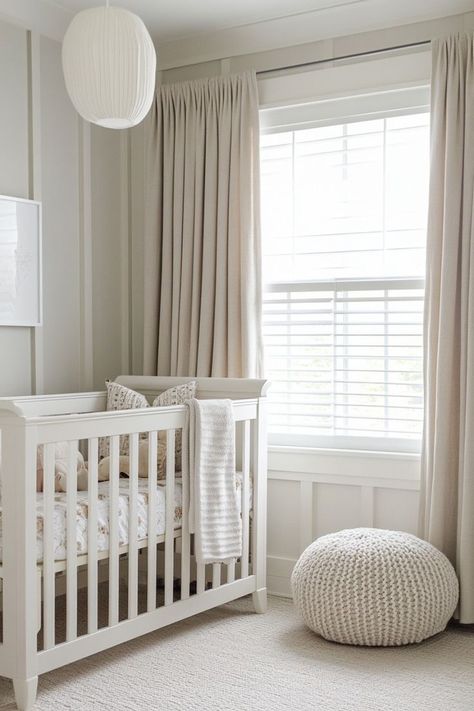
<point x="109" y="65"/>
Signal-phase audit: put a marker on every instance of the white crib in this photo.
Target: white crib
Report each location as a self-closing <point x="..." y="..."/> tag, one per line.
<point x="123" y="578"/>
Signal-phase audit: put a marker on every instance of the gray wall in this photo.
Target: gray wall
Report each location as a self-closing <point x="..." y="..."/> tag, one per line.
<point x="48" y="153"/>
<point x="61" y="227"/>
<point x="108" y="255"/>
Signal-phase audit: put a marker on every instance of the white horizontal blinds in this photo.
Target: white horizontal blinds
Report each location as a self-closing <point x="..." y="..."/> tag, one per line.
<point x="345" y="358"/>
<point x="344" y="223"/>
<point x="346" y="200"/>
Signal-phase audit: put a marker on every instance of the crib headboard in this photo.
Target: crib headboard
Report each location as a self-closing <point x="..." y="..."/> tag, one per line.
<point x="207" y="388"/>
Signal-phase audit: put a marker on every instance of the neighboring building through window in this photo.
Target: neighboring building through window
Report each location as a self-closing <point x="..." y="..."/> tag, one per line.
<point x="344" y="211"/>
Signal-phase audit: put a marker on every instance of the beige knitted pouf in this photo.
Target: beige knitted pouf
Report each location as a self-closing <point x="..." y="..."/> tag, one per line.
<point x="373" y="587"/>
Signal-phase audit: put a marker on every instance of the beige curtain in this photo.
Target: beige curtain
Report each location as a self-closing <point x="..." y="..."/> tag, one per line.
<point x="202" y="246"/>
<point x="447" y="493"/>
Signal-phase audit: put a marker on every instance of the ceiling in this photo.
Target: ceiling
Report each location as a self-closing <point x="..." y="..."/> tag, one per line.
<point x="173" y="19"/>
<point x="169" y="20"/>
<point x="192" y="31"/>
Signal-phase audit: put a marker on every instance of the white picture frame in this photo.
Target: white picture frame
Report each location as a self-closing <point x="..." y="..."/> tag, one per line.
<point x="21" y="302"/>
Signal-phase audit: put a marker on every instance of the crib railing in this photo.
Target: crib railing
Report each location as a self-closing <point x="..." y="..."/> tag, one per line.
<point x="133" y="604"/>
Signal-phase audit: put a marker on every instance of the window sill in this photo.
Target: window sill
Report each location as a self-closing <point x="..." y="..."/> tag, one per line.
<point x="343" y="453"/>
<point x="397" y="470"/>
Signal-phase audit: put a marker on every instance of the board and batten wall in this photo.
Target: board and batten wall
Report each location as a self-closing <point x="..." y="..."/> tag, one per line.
<point x="48" y="153"/>
<point x="315" y="492"/>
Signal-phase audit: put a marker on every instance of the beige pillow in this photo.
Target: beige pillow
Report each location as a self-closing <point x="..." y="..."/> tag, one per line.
<point x="120" y="398"/>
<point x="176" y="396"/>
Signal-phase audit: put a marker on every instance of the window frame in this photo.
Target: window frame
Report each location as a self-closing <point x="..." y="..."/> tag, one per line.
<point x="344" y="442"/>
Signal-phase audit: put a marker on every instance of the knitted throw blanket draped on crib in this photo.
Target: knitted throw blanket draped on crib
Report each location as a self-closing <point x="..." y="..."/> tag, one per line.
<point x="209" y="461"/>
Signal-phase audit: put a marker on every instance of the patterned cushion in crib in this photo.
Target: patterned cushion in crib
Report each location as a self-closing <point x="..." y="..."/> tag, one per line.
<point x="175" y="396"/>
<point x="121" y="398"/>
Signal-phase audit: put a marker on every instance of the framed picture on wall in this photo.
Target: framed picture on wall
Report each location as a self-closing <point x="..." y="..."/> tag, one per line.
<point x="20" y="262"/>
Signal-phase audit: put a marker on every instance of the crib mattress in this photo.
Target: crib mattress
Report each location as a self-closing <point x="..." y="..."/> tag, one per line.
<point x="82" y="517"/>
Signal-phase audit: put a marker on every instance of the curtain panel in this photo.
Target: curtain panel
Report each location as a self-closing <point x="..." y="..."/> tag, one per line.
<point x="202" y="308"/>
<point x="447" y="487"/>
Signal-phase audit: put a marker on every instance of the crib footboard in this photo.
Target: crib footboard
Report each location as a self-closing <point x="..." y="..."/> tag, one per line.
<point x="91" y="567"/>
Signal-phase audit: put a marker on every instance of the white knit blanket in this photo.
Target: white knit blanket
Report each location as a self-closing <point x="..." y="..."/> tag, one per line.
<point x="209" y="462"/>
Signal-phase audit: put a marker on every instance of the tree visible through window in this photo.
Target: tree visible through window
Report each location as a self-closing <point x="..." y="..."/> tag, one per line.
<point x="344" y="225"/>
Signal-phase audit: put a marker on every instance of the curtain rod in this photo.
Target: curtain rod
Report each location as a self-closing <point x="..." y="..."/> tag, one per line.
<point x="344" y="56"/>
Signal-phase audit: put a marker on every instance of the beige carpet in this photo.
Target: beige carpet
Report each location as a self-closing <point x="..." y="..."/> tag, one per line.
<point x="230" y="659"/>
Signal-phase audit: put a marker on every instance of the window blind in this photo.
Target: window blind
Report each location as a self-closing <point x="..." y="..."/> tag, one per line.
<point x="345" y="359"/>
<point x="344" y="224"/>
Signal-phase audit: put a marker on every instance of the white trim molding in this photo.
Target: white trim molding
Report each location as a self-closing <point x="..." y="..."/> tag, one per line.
<point x="34" y="188"/>
<point x="85" y="236"/>
<point x="347" y="467"/>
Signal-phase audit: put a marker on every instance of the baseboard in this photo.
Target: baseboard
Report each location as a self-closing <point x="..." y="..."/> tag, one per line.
<point x="279" y="571"/>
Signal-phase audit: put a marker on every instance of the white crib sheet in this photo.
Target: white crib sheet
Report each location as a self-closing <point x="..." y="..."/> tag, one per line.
<point x="82" y="513"/>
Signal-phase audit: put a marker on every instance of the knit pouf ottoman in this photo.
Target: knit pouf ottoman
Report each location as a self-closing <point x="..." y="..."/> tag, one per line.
<point x="367" y="586"/>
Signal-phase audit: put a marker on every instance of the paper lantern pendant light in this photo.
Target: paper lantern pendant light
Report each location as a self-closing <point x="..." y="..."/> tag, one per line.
<point x="109" y="65"/>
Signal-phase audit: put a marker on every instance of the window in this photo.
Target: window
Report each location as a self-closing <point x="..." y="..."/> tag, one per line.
<point x="344" y="226"/>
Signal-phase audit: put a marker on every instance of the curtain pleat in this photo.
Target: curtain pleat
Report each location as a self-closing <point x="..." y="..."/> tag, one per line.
<point x="202" y="308"/>
<point x="447" y="482"/>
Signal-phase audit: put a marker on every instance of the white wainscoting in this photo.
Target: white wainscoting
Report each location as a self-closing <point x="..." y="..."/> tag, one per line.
<point x="314" y="492"/>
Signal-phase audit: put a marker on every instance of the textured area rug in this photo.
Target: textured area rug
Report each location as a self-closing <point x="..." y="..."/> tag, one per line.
<point x="230" y="659"/>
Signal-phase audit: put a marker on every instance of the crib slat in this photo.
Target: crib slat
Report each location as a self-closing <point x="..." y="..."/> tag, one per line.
<point x="245" y="498"/>
<point x="48" y="546"/>
<point x="185" y="540"/>
<point x="169" y="532"/>
<point x="152" y="525"/>
<point x="71" y="552"/>
<point x="216" y="575"/>
<point x="200" y="576"/>
<point x="114" y="531"/>
<point x="259" y="506"/>
<point x="133" y="529"/>
<point x="200" y="567"/>
<point x="231" y="572"/>
<point x="92" y="542"/>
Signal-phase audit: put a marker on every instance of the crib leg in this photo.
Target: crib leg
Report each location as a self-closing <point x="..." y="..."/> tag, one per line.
<point x="25" y="693"/>
<point x="259" y="599"/>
